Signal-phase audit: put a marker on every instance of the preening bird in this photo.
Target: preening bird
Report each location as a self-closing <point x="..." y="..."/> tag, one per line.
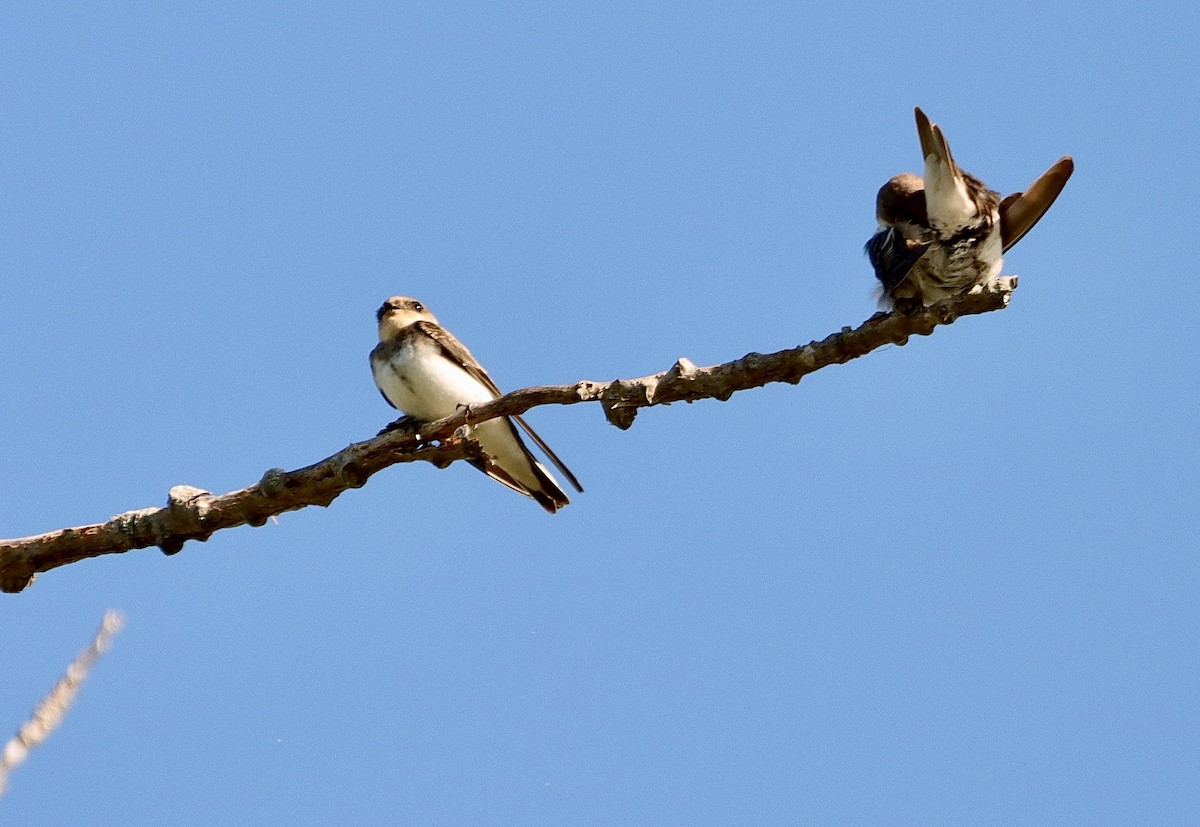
<point x="942" y="235"/>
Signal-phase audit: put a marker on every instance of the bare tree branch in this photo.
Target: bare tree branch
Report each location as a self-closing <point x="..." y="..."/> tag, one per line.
<point x="50" y="712"/>
<point x="194" y="514"/>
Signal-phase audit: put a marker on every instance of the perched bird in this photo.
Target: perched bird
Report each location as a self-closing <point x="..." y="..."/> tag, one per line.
<point x="421" y="369"/>
<point x="942" y="235"/>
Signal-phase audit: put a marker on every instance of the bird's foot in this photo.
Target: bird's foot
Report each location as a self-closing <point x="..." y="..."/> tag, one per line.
<point x="403" y="423"/>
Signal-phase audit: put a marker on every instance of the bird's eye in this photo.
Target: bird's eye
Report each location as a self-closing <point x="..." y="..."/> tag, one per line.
<point x="417" y="306"/>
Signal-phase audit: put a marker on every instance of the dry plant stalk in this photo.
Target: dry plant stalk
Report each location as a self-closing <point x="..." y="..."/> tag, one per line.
<point x="50" y="712"/>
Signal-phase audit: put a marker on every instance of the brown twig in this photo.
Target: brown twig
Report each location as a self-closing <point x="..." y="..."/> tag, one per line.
<point x="194" y="514"/>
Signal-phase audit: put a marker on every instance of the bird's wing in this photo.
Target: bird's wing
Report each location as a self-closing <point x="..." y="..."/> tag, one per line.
<point x="457" y="351"/>
<point x="553" y="457"/>
<point x="379" y="354"/>
<point x="893" y="256"/>
<point x="933" y="142"/>
<point x="1021" y="210"/>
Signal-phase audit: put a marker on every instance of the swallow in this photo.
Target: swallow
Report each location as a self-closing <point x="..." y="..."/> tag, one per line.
<point x="942" y="235"/>
<point x="422" y="370"/>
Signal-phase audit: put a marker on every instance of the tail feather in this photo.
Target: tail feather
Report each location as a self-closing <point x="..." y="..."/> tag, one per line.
<point x="551" y="497"/>
<point x="925" y="133"/>
<point x="519" y="471"/>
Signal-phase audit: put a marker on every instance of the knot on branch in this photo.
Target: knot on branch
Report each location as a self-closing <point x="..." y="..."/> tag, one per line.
<point x="13" y="580"/>
<point x="438" y="457"/>
<point x="622" y="398"/>
<point x="272" y="482"/>
<point x="587" y="391"/>
<point x="683" y="381"/>
<point x="187" y="508"/>
<point x="351" y="473"/>
<point x="622" y="417"/>
<point x="683" y="368"/>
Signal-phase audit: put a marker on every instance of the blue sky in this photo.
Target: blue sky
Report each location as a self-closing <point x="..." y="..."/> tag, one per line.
<point x="949" y="583"/>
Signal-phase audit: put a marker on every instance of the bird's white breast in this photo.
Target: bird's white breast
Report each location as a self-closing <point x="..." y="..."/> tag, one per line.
<point x="419" y="380"/>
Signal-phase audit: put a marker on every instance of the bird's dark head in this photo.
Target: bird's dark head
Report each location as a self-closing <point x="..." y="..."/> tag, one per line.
<point x="902" y="200"/>
<point x="398" y="313"/>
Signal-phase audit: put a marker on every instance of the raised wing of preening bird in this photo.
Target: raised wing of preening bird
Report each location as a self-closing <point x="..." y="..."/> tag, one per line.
<point x="1021" y="210"/>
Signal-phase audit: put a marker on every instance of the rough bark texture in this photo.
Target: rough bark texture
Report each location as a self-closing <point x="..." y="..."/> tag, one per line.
<point x="194" y="514"/>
